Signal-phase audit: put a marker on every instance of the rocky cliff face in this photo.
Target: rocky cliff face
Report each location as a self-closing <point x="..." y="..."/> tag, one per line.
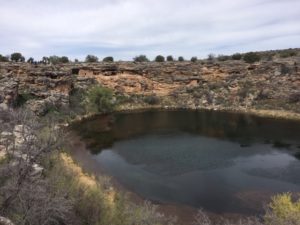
<point x="272" y="85"/>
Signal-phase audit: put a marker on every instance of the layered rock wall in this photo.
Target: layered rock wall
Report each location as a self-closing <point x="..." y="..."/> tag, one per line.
<point x="230" y="84"/>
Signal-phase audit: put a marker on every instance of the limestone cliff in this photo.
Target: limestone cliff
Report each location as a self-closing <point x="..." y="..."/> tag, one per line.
<point x="233" y="84"/>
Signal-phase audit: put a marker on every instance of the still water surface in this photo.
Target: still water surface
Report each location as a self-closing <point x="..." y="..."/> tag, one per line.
<point x="222" y="162"/>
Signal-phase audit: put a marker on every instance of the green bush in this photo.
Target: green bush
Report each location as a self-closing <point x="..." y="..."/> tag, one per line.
<point x="269" y="56"/>
<point x="76" y="97"/>
<point x="180" y="59"/>
<point x="141" y="58"/>
<point x="194" y="59"/>
<point x="170" y="58"/>
<point x="108" y="59"/>
<point x="17" y="57"/>
<point x="211" y="57"/>
<point x="45" y="60"/>
<point x="56" y="59"/>
<point x="64" y="59"/>
<point x="23" y="98"/>
<point x="287" y="53"/>
<point x="91" y="59"/>
<point x="236" y="56"/>
<point x="100" y="100"/>
<point x="3" y="58"/>
<point x="223" y="57"/>
<point x="151" y="99"/>
<point x="159" y="58"/>
<point x="30" y="60"/>
<point x="251" y="57"/>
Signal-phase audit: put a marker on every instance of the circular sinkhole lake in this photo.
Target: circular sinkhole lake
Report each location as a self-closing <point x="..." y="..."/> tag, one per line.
<point x="221" y="162"/>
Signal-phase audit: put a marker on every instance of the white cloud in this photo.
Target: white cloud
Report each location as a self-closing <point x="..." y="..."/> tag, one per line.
<point x="125" y="28"/>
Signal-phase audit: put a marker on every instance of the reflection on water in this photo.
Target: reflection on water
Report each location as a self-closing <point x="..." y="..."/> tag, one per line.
<point x="221" y="162"/>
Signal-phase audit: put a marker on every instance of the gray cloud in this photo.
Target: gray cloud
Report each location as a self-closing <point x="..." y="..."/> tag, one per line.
<point x="125" y="28"/>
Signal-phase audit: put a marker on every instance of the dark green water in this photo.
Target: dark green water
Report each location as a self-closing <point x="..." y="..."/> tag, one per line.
<point x="222" y="162"/>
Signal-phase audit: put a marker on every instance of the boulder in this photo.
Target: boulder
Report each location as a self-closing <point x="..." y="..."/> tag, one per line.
<point x="42" y="106"/>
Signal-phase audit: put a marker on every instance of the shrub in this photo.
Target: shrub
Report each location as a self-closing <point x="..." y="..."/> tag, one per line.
<point x="269" y="57"/>
<point x="151" y="99"/>
<point x="17" y="57"/>
<point x="146" y="214"/>
<point x="251" y="57"/>
<point x="96" y="202"/>
<point x="243" y="92"/>
<point x="283" y="211"/>
<point x="88" y="199"/>
<point x="64" y="59"/>
<point x="170" y="58"/>
<point x="263" y="94"/>
<point x="99" y="100"/>
<point x="4" y="58"/>
<point x="180" y="59"/>
<point x="294" y="97"/>
<point x="223" y="57"/>
<point x="194" y="59"/>
<point x="284" y="69"/>
<point x="91" y="58"/>
<point x="90" y="206"/>
<point x="76" y="97"/>
<point x="30" y="60"/>
<point x="23" y="98"/>
<point x="201" y="218"/>
<point x="28" y="197"/>
<point x="287" y="53"/>
<point x="159" y="58"/>
<point x="141" y="58"/>
<point x="236" y="56"/>
<point x="211" y="57"/>
<point x="56" y="59"/>
<point x="108" y="59"/>
<point x="45" y="60"/>
<point x="216" y="85"/>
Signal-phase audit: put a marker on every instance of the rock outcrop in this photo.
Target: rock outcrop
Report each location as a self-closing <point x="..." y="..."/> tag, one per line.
<point x="8" y="91"/>
<point x="231" y="84"/>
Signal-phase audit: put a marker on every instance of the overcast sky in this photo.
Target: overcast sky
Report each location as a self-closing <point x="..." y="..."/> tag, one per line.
<point x="125" y="28"/>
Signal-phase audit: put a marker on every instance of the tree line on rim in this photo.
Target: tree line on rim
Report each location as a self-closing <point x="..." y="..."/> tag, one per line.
<point x="249" y="57"/>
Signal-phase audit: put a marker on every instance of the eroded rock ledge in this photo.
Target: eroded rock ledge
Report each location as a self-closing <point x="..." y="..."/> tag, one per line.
<point x="231" y="85"/>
